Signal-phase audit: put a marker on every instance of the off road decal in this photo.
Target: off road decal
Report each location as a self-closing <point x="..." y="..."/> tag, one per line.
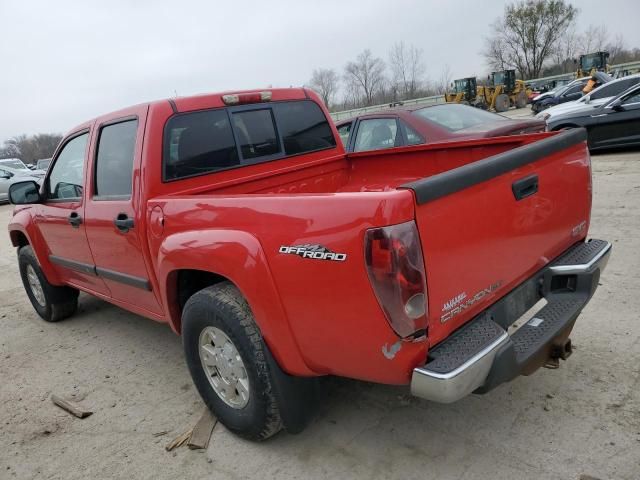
<point x="463" y="305"/>
<point x="314" y="252"/>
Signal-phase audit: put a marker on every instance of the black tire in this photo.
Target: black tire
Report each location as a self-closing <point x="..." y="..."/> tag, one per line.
<point x="502" y="103"/>
<point x="222" y="306"/>
<point x="59" y="302"/>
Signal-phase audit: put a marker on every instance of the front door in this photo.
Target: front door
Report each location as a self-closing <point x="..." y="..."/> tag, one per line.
<point x="619" y="126"/>
<point x="60" y="218"/>
<point x="114" y="217"/>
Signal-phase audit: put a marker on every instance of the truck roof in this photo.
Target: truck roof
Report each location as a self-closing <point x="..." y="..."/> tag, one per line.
<point x="207" y="100"/>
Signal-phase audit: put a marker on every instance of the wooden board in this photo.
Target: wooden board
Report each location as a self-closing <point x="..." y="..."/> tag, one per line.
<point x="202" y="430"/>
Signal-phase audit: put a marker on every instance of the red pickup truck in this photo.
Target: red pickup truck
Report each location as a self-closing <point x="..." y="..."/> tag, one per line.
<point x="240" y="221"/>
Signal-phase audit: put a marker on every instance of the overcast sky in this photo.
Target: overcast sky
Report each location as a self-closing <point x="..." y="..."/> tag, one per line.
<point x="64" y="62"/>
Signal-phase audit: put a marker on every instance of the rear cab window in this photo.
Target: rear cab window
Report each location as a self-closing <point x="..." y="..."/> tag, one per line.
<point x="198" y="143"/>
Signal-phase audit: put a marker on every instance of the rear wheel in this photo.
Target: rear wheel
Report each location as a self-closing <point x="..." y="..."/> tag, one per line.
<point x="52" y="303"/>
<point x="502" y="103"/>
<point x="227" y="358"/>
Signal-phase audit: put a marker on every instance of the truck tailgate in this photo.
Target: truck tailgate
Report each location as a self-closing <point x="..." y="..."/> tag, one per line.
<point x="487" y="226"/>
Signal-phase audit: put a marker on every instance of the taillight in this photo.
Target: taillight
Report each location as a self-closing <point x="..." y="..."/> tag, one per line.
<point x="244" y="98"/>
<point x="396" y="270"/>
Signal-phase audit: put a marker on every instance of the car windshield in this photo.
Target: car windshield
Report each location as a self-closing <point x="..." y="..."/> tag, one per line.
<point x="560" y="90"/>
<point x="456" y="117"/>
<point x="16" y="164"/>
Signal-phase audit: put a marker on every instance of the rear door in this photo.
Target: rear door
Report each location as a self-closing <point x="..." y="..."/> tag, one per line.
<point x="60" y="218"/>
<point x="489" y="225"/>
<point x="113" y="216"/>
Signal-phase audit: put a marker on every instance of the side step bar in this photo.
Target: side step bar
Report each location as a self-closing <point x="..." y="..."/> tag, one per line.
<point x="481" y="355"/>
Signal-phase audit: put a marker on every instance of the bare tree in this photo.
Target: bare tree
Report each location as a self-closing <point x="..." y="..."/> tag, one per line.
<point x="529" y="33"/>
<point x="325" y="82"/>
<point x="407" y="69"/>
<point x="567" y="50"/>
<point x="442" y="85"/>
<point x="30" y="148"/>
<point x="594" y="39"/>
<point x="495" y="54"/>
<point x="367" y="74"/>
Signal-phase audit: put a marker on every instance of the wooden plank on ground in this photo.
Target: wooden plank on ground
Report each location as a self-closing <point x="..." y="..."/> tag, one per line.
<point x="70" y="407"/>
<point x="202" y="430"/>
<point x="179" y="440"/>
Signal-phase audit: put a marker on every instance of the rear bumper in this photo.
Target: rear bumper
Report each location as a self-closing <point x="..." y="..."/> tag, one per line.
<point x="481" y="355"/>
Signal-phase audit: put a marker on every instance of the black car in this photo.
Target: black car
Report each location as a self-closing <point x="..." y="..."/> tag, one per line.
<point x="615" y="123"/>
<point x="566" y="93"/>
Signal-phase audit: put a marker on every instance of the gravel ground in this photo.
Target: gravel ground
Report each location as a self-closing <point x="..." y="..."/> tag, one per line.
<point x="582" y="419"/>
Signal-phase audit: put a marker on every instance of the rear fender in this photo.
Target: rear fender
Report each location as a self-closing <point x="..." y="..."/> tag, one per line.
<point x="237" y="256"/>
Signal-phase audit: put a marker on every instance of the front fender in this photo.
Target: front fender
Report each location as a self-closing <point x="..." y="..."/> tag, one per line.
<point x="237" y="256"/>
<point x="22" y="224"/>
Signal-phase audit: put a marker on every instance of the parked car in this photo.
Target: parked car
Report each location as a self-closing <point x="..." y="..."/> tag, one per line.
<point x="17" y="166"/>
<point x="43" y="164"/>
<point x="592" y="100"/>
<point x="239" y="220"/>
<point x="613" y="124"/>
<point x="416" y="125"/>
<point x="10" y="176"/>
<point x="567" y="93"/>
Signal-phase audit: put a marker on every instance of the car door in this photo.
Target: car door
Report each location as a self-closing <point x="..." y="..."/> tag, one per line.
<point x="114" y="218"/>
<point x="618" y="123"/>
<point x="60" y="216"/>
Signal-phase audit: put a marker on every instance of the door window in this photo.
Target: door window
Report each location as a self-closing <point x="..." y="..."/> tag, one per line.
<point x="376" y="134"/>
<point x="67" y="176"/>
<point x="413" y="137"/>
<point x="114" y="161"/>
<point x="634" y="98"/>
<point x="614" y="88"/>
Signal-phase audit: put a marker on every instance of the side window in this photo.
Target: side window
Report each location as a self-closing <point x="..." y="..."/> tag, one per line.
<point x="376" y="134"/>
<point x="67" y="176"/>
<point x="197" y="143"/>
<point x="303" y="127"/>
<point x="256" y="133"/>
<point x="413" y="137"/>
<point x="634" y="98"/>
<point x="344" y="131"/>
<point x="574" y="89"/>
<point x="114" y="162"/>
<point x="615" y="88"/>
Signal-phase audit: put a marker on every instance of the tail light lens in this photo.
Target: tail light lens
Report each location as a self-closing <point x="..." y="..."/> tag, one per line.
<point x="396" y="270"/>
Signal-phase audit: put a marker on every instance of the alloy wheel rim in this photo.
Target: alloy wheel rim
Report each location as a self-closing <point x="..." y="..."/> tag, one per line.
<point x="35" y="286"/>
<point x="224" y="367"/>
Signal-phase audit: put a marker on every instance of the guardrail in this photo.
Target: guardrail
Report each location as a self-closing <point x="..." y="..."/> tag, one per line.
<point x="435" y="99"/>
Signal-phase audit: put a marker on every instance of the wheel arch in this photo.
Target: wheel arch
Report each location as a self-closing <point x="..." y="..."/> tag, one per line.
<point x="190" y="261"/>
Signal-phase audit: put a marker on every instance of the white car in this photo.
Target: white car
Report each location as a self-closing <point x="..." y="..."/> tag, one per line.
<point x="595" y="98"/>
<point x="17" y="166"/>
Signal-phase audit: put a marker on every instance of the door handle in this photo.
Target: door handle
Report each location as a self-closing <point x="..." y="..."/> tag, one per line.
<point x="525" y="187"/>
<point x="75" y="219"/>
<point x="123" y="222"/>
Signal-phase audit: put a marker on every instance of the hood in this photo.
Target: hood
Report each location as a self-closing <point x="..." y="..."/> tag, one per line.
<point x="571" y="107"/>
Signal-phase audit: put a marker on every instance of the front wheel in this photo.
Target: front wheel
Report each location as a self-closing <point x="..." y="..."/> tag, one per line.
<point x="227" y="359"/>
<point x="52" y="303"/>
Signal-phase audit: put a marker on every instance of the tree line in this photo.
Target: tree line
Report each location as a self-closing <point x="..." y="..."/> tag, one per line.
<point x="535" y="37"/>
<point x="30" y="148"/>
<point x="541" y="37"/>
<point x="370" y="80"/>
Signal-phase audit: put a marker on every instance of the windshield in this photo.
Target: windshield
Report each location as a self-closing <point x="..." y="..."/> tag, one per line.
<point x="456" y="117"/>
<point x="498" y="78"/>
<point x="17" y="164"/>
<point x="591" y="61"/>
<point x="559" y="91"/>
<point x="461" y="85"/>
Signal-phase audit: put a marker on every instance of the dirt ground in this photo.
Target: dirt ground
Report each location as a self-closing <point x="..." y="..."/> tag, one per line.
<point x="582" y="419"/>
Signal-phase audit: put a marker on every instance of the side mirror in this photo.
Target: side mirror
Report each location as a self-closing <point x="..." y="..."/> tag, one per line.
<point x="617" y="106"/>
<point x="5" y="175"/>
<point x="24" y="193"/>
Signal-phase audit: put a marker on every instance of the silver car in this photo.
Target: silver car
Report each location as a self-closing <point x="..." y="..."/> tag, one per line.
<point x="10" y="176"/>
